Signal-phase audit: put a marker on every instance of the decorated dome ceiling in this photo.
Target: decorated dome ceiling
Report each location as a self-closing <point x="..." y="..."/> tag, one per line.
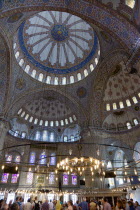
<point x="47" y="111"/>
<point x="56" y="44"/>
<point x="121" y="84"/>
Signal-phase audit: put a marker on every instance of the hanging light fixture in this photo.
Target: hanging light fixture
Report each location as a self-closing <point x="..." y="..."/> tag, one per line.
<point x="82" y="165"/>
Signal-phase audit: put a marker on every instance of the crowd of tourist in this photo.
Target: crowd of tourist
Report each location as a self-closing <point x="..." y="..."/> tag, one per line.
<point x="121" y="204"/>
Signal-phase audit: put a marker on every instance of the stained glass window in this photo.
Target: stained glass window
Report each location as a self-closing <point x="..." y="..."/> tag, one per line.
<point x="29" y="178"/>
<point x="52" y="178"/>
<point x="17" y="159"/>
<point x="9" y="158"/>
<point x="74" y="180"/>
<point x="65" y="179"/>
<point x="32" y="157"/>
<point x="43" y="158"/>
<point x="53" y="159"/>
<point x="14" y="178"/>
<point x="4" y="178"/>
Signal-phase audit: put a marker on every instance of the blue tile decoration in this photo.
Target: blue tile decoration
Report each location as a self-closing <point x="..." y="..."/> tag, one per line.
<point x="59" y="37"/>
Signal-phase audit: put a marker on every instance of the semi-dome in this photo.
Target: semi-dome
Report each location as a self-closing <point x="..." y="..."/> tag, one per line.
<point x="56" y="47"/>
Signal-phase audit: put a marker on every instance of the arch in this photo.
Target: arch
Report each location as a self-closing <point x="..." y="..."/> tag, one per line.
<point x="28" y="96"/>
<point x="110" y="21"/>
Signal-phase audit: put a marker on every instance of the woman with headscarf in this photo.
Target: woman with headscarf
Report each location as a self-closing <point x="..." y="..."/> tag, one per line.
<point x="58" y="205"/>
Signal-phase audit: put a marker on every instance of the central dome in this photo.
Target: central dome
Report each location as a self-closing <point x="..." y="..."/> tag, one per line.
<point x="59" y="43"/>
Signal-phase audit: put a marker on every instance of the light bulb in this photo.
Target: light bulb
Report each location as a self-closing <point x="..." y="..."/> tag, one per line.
<point x="82" y="159"/>
<point x="91" y="159"/>
<point x="56" y="171"/>
<point x="91" y="169"/>
<point x="16" y="168"/>
<point x="92" y="173"/>
<point x="2" y="167"/>
<point x="92" y="179"/>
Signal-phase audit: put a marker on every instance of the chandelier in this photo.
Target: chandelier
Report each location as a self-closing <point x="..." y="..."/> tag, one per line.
<point x="81" y="166"/>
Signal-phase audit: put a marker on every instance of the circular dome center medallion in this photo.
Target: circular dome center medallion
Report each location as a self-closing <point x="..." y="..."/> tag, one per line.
<point x="54" y="43"/>
<point x="59" y="33"/>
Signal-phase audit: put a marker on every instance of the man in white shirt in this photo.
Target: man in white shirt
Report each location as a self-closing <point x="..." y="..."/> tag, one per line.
<point x="51" y="206"/>
<point x="28" y="205"/>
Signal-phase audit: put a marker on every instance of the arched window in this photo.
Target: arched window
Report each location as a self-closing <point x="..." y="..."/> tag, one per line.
<point x="71" y="120"/>
<point x="31" y="119"/>
<point x="19" y="112"/>
<point x="65" y="179"/>
<point x="85" y="72"/>
<point x="56" y="81"/>
<point x="96" y="60"/>
<point x="9" y="158"/>
<point x="16" y="133"/>
<point x="35" y="121"/>
<point x="48" y="80"/>
<point x="62" y="123"/>
<point x="46" y="123"/>
<point x="71" y="79"/>
<point x="51" y="137"/>
<point x="41" y="122"/>
<point x="56" y="123"/>
<point x="17" y="54"/>
<point x="121" y="105"/>
<point x="53" y="159"/>
<point x="135" y="122"/>
<point x="119" y="161"/>
<point x="21" y="62"/>
<point x="64" y="81"/>
<point x="66" y="121"/>
<point x="65" y="138"/>
<point x="27" y="68"/>
<point x="37" y="135"/>
<point x="4" y="178"/>
<point x="51" y="178"/>
<point x="51" y="123"/>
<point x="74" y="117"/>
<point x="23" y="135"/>
<point x="135" y="100"/>
<point x="40" y="78"/>
<point x="72" y="138"/>
<point x="14" y="45"/>
<point x="108" y="107"/>
<point x="17" y="159"/>
<point x="33" y="73"/>
<point x="29" y="178"/>
<point x="114" y="106"/>
<point x="23" y="113"/>
<point x="32" y="157"/>
<point x="79" y="77"/>
<point x="14" y="178"/>
<point x="91" y="67"/>
<point x="74" y="179"/>
<point x="109" y="165"/>
<point x="128" y="124"/>
<point x="27" y="116"/>
<point x="128" y="103"/>
<point x="43" y="158"/>
<point x="45" y="135"/>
